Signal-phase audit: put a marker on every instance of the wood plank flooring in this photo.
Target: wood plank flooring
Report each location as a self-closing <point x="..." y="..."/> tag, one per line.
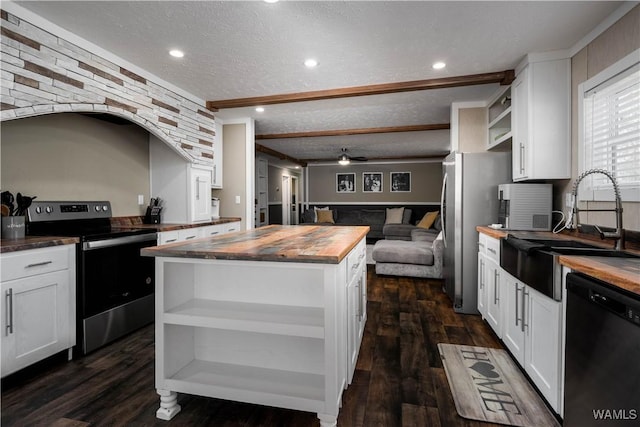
<point x="399" y="379"/>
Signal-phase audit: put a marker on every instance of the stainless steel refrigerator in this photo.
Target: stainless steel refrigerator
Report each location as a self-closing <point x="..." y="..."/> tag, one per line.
<point x="469" y="198"/>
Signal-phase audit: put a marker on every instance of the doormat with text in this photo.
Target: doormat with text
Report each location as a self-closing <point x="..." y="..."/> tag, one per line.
<point x="488" y="386"/>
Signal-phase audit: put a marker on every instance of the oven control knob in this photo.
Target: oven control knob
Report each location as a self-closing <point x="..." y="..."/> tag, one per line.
<point x="39" y="209"/>
<point x="48" y="209"/>
<point x="97" y="208"/>
<point x="105" y="208"/>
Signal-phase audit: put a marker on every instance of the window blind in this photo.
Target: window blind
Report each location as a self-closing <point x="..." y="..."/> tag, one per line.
<point x="612" y="134"/>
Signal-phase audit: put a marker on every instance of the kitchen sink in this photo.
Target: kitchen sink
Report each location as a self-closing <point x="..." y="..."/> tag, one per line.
<point x="560" y="243"/>
<point x="592" y="252"/>
<point x="535" y="261"/>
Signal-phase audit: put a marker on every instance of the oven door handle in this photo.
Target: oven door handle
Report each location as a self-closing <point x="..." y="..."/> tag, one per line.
<point x="118" y="241"/>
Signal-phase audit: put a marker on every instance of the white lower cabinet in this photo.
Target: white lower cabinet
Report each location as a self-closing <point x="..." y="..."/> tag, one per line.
<point x="489" y="272"/>
<point x="532" y="332"/>
<point x="172" y="236"/>
<point x="356" y="306"/>
<point x="271" y="333"/>
<point x="492" y="286"/>
<point x="38" y="308"/>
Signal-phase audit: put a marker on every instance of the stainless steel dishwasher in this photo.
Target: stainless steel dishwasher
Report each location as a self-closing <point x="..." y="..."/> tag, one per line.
<point x="602" y="364"/>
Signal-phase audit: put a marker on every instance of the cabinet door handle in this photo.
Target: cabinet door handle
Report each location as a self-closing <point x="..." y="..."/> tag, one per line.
<point x="525" y="296"/>
<point x="9" y="298"/>
<point x="215" y="175"/>
<point x="38" y="264"/>
<point x="190" y="237"/>
<point x="496" y="277"/>
<point x="170" y="240"/>
<point x="197" y="188"/>
<point x="481" y="274"/>
<point x="359" y="294"/>
<point x="522" y="158"/>
<point x="517" y="314"/>
<point x="493" y="251"/>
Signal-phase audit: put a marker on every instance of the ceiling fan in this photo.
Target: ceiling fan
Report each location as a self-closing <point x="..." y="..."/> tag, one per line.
<point x="345" y="159"/>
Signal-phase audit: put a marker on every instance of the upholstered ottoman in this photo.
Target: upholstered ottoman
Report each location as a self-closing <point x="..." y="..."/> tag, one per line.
<point x="409" y="258"/>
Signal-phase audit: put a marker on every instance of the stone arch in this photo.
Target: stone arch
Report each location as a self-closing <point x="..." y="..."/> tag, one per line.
<point x="148" y="125"/>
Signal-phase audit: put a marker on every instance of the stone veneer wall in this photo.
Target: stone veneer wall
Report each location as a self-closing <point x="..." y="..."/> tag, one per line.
<point x="42" y="73"/>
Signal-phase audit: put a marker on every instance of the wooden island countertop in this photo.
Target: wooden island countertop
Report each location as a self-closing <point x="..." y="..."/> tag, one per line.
<point x="281" y="243"/>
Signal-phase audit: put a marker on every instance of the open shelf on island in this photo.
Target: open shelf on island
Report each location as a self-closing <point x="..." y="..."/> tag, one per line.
<point x="294" y="390"/>
<point x="250" y="317"/>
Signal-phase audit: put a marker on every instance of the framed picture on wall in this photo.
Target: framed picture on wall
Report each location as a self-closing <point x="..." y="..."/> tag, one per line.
<point x="345" y="182"/>
<point x="401" y="182"/>
<point x="372" y="182"/>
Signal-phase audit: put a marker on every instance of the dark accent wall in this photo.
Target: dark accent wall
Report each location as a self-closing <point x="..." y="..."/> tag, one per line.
<point x="426" y="183"/>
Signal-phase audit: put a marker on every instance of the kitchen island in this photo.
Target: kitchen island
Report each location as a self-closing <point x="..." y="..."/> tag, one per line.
<point x="271" y="316"/>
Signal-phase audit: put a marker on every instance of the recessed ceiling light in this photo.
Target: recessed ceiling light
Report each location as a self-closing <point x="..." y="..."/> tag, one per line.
<point x="176" y="53"/>
<point x="310" y="63"/>
<point x="260" y="109"/>
<point x="439" y="65"/>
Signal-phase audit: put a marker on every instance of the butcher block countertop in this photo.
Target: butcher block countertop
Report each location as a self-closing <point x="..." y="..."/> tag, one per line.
<point x="34" y="242"/>
<point x="621" y="272"/>
<point x="281" y="243"/>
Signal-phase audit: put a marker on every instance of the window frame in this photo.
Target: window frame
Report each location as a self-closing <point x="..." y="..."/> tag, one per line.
<point x="587" y="193"/>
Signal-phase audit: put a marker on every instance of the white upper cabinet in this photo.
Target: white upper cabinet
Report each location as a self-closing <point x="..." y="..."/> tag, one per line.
<point x="200" y="183"/>
<point x="541" y="120"/>
<point x="216" y="175"/>
<point x="184" y="188"/>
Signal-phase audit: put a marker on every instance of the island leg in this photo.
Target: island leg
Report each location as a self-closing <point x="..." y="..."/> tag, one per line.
<point x="327" y="420"/>
<point x="169" y="407"/>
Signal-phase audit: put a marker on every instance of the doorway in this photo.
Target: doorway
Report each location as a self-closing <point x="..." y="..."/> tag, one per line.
<point x="295" y="207"/>
<point x="286" y="200"/>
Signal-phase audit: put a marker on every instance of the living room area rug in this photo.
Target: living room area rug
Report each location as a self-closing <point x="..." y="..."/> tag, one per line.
<point x="488" y="386"/>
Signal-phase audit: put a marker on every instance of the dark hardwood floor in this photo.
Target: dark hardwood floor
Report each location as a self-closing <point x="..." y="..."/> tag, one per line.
<point x="399" y="379"/>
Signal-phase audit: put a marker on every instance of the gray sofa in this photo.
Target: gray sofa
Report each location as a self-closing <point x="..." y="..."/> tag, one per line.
<point x="419" y="257"/>
<point x="374" y="218"/>
<point x="404" y="231"/>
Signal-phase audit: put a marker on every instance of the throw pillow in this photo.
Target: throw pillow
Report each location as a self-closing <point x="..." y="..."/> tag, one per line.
<point x="394" y="216"/>
<point x="315" y="212"/>
<point x="428" y="219"/>
<point x="325" y="216"/>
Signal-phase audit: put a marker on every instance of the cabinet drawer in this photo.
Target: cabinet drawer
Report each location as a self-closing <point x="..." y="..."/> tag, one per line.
<point x="212" y="230"/>
<point x="482" y="243"/>
<point x="35" y="261"/>
<point x="188" y="234"/>
<point x="493" y="249"/>
<point x="356" y="257"/>
<point x="166" y="237"/>
<point x="232" y="226"/>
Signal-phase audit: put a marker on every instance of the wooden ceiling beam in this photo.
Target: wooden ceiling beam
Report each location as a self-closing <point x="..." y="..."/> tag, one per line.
<point x="362" y="131"/>
<point x="374" y="159"/>
<point x="502" y="77"/>
<point x="279" y="155"/>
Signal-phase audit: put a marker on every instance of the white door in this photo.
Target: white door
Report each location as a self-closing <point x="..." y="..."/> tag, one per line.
<point x="513" y="321"/>
<point x="492" y="283"/>
<point x="543" y="341"/>
<point x="35" y="321"/>
<point x="286" y="200"/>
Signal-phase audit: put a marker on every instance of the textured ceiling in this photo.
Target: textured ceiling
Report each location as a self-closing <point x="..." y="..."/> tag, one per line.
<point x="246" y="49"/>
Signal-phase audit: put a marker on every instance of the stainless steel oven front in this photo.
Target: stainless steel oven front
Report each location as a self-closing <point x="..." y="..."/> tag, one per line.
<point x="115" y="288"/>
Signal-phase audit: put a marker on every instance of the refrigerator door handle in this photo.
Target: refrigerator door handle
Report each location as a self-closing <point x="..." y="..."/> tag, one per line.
<point x="442" y="215"/>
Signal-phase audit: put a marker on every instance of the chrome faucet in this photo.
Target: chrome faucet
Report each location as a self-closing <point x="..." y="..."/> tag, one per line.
<point x="618" y="235"/>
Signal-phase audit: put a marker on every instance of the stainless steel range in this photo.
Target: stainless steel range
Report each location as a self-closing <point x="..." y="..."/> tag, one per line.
<point x="115" y="284"/>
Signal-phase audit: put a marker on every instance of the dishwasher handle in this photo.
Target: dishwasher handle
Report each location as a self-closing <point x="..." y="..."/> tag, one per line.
<point x="605" y="296"/>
